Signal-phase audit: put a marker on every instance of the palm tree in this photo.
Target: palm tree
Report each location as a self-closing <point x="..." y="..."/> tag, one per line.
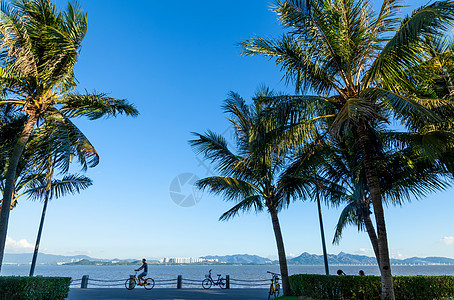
<point x="39" y="48"/>
<point x="403" y="174"/>
<point x="254" y="175"/>
<point x="355" y="61"/>
<point x="45" y="190"/>
<point x="51" y="145"/>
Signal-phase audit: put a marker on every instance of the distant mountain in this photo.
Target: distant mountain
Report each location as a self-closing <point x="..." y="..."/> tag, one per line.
<point x="351" y="259"/>
<point x="425" y="261"/>
<point x="244" y="259"/>
<point x="340" y="259"/>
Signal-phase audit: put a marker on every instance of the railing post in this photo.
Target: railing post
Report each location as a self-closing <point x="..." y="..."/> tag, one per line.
<point x="179" y="281"/>
<point x="84" y="282"/>
<point x="227" y="281"/>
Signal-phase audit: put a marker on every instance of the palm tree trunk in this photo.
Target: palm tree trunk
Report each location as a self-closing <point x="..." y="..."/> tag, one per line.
<point x="40" y="230"/>
<point x="375" y="194"/>
<point x="10" y="177"/>
<point x="372" y="236"/>
<point x="322" y="232"/>
<point x="280" y="252"/>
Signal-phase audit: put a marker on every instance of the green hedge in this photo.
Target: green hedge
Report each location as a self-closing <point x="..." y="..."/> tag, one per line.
<point x="34" y="287"/>
<point x="369" y="287"/>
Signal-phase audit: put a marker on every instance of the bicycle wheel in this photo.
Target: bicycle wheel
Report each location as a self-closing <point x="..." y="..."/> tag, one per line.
<point x="206" y="283"/>
<point x="130" y="283"/>
<point x="149" y="283"/>
<point x="270" y="291"/>
<point x="276" y="290"/>
<point x="222" y="283"/>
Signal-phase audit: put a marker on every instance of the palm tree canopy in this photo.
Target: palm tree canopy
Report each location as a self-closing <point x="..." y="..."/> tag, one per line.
<point x="251" y="173"/>
<point x="39" y="47"/>
<point x="52" y="146"/>
<point x="404" y="174"/>
<point x="353" y="58"/>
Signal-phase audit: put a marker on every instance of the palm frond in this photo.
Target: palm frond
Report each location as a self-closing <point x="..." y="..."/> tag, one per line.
<point x="300" y="64"/>
<point x="69" y="184"/>
<point x="404" y="48"/>
<point x="62" y="140"/>
<point x="246" y="205"/>
<point x="347" y="217"/>
<point x="95" y="106"/>
<point x="231" y="189"/>
<point x="405" y="109"/>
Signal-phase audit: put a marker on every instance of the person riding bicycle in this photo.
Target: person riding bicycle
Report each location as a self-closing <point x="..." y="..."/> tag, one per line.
<point x="145" y="269"/>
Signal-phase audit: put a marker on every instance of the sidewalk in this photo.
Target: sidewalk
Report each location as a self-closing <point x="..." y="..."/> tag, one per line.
<point x="167" y="293"/>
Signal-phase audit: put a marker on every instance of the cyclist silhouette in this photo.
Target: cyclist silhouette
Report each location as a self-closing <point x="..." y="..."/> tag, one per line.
<point x="145" y="269"/>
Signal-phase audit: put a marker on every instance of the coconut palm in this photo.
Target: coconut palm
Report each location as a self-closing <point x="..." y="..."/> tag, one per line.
<point x="51" y="145"/>
<point x="253" y="174"/>
<point x="44" y="189"/>
<point x="39" y="48"/>
<point x="403" y="174"/>
<point x="355" y="60"/>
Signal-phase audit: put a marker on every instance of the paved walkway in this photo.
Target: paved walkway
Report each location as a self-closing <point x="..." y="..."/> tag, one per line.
<point x="167" y="294"/>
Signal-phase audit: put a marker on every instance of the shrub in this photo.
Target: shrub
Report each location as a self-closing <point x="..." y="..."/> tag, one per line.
<point x="424" y="287"/>
<point x="369" y="287"/>
<point x="19" y="288"/>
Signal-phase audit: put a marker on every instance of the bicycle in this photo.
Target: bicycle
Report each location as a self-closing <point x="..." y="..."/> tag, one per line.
<point x="274" y="286"/>
<point x="208" y="281"/>
<point x="148" y="283"/>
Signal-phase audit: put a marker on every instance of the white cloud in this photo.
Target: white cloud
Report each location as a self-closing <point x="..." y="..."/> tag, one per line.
<point x="448" y="240"/>
<point x="21" y="246"/>
<point x="396" y="254"/>
<point x="364" y="251"/>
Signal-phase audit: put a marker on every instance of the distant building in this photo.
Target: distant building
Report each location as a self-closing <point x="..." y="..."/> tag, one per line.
<point x="186" y="260"/>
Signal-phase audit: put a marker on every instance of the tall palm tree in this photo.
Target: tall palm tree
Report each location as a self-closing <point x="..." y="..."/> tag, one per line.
<point x="39" y="48"/>
<point x="403" y="174"/>
<point x="51" y="146"/>
<point x="252" y="174"/>
<point x="355" y="60"/>
<point x="45" y="190"/>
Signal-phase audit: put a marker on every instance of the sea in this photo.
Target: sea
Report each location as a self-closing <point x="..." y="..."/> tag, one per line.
<point x="240" y="275"/>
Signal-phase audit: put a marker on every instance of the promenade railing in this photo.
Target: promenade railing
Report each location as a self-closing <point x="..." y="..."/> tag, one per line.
<point x="179" y="282"/>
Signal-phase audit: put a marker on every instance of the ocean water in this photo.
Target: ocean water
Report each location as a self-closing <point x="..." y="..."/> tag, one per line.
<point x="193" y="275"/>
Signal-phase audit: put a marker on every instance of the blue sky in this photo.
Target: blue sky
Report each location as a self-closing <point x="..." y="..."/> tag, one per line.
<point x="176" y="61"/>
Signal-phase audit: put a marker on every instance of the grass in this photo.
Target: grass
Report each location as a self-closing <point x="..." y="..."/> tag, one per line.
<point x="292" y="298"/>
